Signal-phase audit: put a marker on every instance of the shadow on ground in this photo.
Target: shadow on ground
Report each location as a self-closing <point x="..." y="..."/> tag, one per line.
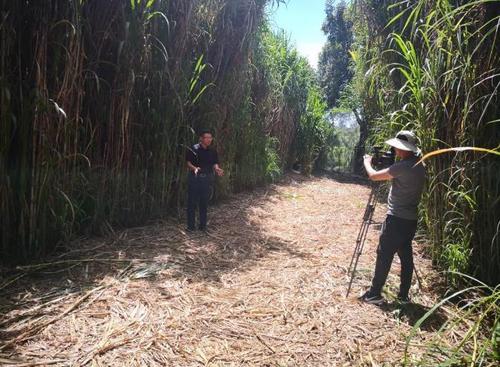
<point x="413" y="313"/>
<point x="235" y="242"/>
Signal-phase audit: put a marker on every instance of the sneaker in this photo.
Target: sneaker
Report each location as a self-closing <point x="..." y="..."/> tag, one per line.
<point x="373" y="299"/>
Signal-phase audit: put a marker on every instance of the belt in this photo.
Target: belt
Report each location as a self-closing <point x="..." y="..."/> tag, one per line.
<point x="202" y="175"/>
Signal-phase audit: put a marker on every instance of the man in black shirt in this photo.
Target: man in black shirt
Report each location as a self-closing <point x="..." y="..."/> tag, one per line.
<point x="202" y="162"/>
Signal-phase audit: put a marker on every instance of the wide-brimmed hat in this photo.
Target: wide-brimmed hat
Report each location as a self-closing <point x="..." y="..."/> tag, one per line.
<point x="404" y="140"/>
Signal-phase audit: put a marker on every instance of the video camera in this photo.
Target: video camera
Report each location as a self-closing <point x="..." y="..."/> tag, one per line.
<point x="381" y="159"/>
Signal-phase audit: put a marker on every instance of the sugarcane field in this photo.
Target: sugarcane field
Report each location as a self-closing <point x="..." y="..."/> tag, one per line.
<point x="250" y="183"/>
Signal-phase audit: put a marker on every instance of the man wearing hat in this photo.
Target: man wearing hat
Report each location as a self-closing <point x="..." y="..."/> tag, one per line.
<point x="399" y="227"/>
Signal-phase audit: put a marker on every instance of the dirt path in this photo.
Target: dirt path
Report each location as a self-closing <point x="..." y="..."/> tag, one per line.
<point x="265" y="287"/>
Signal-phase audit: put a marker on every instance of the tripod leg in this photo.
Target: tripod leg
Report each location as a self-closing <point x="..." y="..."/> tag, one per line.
<point x="359" y="241"/>
<point x="356" y="255"/>
<point x="367" y="220"/>
<point x="369" y="208"/>
<point x="419" y="281"/>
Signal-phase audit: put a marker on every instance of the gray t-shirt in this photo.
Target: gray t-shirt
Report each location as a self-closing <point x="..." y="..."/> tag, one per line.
<point x="406" y="188"/>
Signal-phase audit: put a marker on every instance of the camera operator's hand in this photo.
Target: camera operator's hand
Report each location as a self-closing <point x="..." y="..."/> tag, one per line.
<point x="374" y="175"/>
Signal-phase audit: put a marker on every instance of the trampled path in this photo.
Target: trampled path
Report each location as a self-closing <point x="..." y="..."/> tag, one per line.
<point x="266" y="287"/>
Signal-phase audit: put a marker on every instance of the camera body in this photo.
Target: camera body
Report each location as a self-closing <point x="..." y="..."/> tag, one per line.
<point x="381" y="159"/>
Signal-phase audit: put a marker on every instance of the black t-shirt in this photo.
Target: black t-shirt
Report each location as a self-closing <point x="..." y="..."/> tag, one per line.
<point x="203" y="158"/>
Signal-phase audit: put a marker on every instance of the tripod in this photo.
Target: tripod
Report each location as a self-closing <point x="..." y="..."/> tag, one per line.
<point x="363" y="231"/>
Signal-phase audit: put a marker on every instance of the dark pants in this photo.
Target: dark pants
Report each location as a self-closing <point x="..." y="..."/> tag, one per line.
<point x="198" y="196"/>
<point x="396" y="237"/>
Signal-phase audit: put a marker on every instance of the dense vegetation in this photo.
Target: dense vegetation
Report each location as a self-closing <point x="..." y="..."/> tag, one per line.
<point x="100" y="98"/>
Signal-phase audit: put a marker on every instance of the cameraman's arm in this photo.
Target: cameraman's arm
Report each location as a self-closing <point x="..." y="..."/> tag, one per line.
<point x="382" y="175"/>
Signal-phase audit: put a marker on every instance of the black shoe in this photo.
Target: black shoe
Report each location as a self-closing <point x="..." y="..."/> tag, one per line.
<point x="190" y="229"/>
<point x="202" y="229"/>
<point x="373" y="299"/>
